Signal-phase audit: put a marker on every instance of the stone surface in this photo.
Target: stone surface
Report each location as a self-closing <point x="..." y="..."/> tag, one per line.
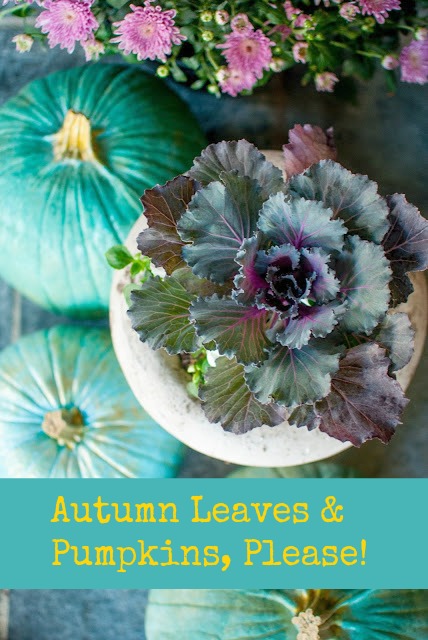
<point x="77" y="615"/>
<point x="385" y="137"/>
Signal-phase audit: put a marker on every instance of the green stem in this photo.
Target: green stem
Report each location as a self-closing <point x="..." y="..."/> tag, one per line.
<point x="369" y="54"/>
<point x="211" y="59"/>
<point x="15" y="7"/>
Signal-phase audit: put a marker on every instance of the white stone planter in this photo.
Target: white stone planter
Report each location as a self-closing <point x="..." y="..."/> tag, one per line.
<point x="159" y="383"/>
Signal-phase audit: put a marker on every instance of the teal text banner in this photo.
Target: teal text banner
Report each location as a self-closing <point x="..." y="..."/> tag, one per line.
<point x="188" y="533"/>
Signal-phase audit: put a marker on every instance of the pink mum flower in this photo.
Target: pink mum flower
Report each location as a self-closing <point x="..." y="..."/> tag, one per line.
<point x="326" y="81"/>
<point x="23" y="42"/>
<point x="348" y="11"/>
<point x="233" y="81"/>
<point x="93" y="49"/>
<point x="283" y="31"/>
<point x="389" y="62"/>
<point x="421" y="34"/>
<point x="249" y="51"/>
<point x="302" y="20"/>
<point x="379" y="8"/>
<point x="300" y="51"/>
<point x="414" y="62"/>
<point x="67" y="22"/>
<point x="221" y="17"/>
<point x="149" y="32"/>
<point x="241" y="23"/>
<point x="290" y="10"/>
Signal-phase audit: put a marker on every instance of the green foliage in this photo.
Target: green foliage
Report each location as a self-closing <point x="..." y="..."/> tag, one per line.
<point x="118" y="256"/>
<point x="352" y="48"/>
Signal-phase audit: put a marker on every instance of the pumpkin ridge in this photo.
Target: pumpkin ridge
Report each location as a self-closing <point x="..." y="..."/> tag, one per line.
<point x="91" y="446"/>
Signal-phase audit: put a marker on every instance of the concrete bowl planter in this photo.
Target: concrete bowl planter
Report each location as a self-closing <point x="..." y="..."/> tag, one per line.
<point x="159" y="383"/>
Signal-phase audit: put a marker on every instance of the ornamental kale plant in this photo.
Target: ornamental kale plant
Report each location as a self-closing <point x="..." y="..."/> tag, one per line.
<point x="290" y="278"/>
<point x="236" y="45"/>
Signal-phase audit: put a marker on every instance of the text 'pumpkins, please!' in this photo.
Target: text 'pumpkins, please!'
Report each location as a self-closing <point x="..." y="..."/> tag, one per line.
<point x="78" y="149"/>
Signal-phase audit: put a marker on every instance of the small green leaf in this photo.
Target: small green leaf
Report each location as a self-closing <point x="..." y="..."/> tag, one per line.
<point x="117" y="4"/>
<point x="193" y="389"/>
<point x="127" y="290"/>
<point x="177" y="73"/>
<point x="135" y="269"/>
<point x="118" y="256"/>
<point x="190" y="63"/>
<point x="198" y="84"/>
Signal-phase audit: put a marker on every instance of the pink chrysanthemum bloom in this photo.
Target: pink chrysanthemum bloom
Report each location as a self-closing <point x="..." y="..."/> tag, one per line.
<point x="389" y="62"/>
<point x="233" y="81"/>
<point x="348" y="11"/>
<point x="414" y="62"/>
<point x="290" y="10"/>
<point x="326" y="81"/>
<point x="300" y="51"/>
<point x="148" y="31"/>
<point x="421" y="34"/>
<point x="23" y="42"/>
<point x="67" y="22"/>
<point x="93" y="49"/>
<point x="379" y="8"/>
<point x="221" y="17"/>
<point x="241" y="23"/>
<point x="302" y="20"/>
<point x="249" y="51"/>
<point x="283" y="31"/>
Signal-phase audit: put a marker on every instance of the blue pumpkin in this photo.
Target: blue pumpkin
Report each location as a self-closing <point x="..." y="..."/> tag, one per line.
<point x="78" y="148"/>
<point x="66" y="411"/>
<point x="277" y="614"/>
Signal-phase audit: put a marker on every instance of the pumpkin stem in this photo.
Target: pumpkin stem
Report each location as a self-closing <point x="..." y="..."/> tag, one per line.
<point x="65" y="426"/>
<point x="308" y="625"/>
<point x="74" y="139"/>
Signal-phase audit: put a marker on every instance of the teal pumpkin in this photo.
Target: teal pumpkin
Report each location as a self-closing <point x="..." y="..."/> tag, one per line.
<point x="78" y="148"/>
<point x="66" y="411"/>
<point x="281" y="614"/>
<point x="312" y="470"/>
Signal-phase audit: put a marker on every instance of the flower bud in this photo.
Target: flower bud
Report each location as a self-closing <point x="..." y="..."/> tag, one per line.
<point x="162" y="71"/>
<point x="389" y="62"/>
<point x="206" y="16"/>
<point x="277" y="65"/>
<point x="221" y="17"/>
<point x="23" y="42"/>
<point x="207" y="36"/>
<point x="421" y="34"/>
